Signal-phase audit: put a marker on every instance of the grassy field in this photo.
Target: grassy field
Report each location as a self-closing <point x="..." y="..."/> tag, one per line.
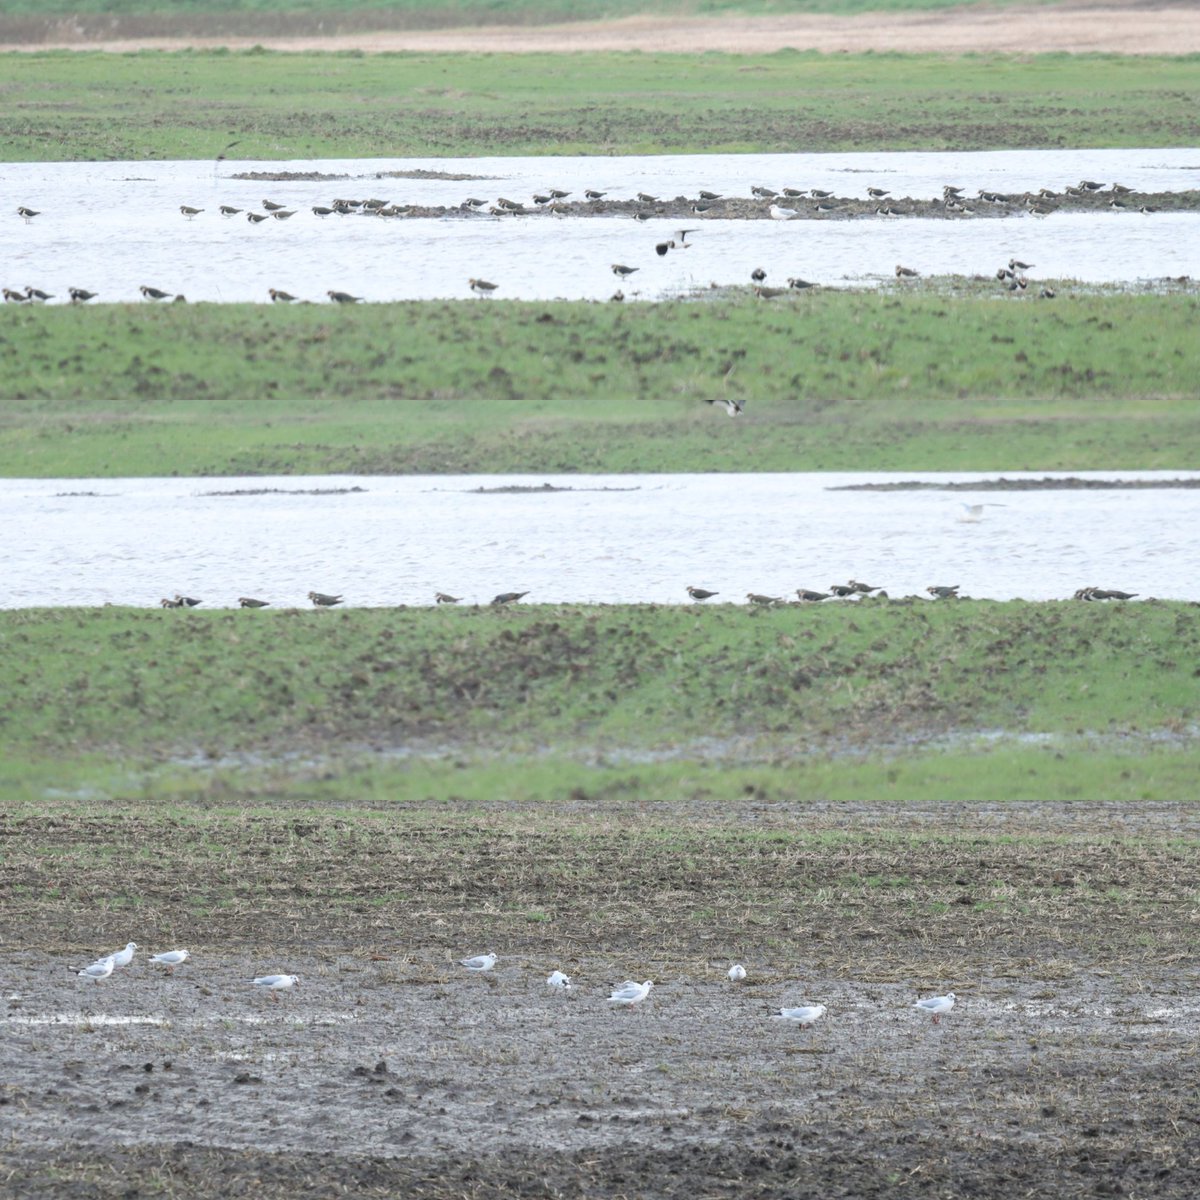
<point x="833" y="380"/>
<point x="79" y="106"/>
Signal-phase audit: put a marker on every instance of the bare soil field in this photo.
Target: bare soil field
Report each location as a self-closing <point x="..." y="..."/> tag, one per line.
<point x="1152" y="27"/>
<point x="1068" y="1067"/>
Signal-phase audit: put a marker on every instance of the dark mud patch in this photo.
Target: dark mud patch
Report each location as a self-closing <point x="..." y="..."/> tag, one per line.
<point x="520" y="489"/>
<point x="1047" y="484"/>
<point x="342" y="491"/>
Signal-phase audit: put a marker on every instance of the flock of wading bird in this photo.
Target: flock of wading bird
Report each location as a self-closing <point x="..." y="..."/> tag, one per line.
<point x="624" y="995"/>
<point x="763" y="202"/>
<point x="852" y="589"/>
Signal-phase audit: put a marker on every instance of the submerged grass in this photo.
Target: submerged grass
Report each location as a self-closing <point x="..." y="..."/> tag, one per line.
<point x="865" y="381"/>
<point x="79" y="106"/>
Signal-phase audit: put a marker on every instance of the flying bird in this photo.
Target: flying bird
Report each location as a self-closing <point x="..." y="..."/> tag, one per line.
<point x="733" y="408"/>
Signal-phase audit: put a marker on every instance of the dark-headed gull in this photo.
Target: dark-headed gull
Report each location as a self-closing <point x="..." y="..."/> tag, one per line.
<point x="936" y="1006"/>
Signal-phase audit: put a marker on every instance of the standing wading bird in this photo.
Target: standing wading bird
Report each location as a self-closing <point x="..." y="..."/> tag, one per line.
<point x="623" y="271"/>
<point x="481" y="287"/>
<point x="733" y="408"/>
<point x="798" y="284"/>
<point x="445" y="598"/>
<point x="763" y="601"/>
<point x="758" y="275"/>
<point x="592" y="194"/>
<point x="28" y="213"/>
<point x="282" y="214"/>
<point x="165" y="603"/>
<point x="906" y="272"/>
<point x="343" y="298"/>
<point x="700" y="593"/>
<point x="190" y="212"/>
<point x="153" y="293"/>
<point x="271" y="206"/>
<point x="808" y="596"/>
<point x="256" y="218"/>
<point x="12" y="297"/>
<point x="508" y="597"/>
<point x="227" y="210"/>
<point x="936" y="1006"/>
<point x="81" y="295"/>
<point x="646" y="198"/>
<point x="943" y="592"/>
<point x="250" y="602"/>
<point x="322" y="600"/>
<point x="877" y="193"/>
<point x="183" y="602"/>
<point x="278" y="297"/>
<point x="37" y="296"/>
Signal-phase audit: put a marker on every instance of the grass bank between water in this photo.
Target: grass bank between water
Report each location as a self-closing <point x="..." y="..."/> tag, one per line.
<point x="830" y="380"/>
<point x="639" y="704"/>
<point x="81" y="106"/>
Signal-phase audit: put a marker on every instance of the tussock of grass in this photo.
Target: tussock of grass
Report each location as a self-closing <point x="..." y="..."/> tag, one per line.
<point x="831" y="381"/>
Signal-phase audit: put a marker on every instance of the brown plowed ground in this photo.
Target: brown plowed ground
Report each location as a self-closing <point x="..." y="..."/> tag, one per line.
<point x="1068" y="1068"/>
<point x="1086" y="26"/>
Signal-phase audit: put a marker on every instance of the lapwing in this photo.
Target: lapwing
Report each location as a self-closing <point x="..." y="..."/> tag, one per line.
<point x="798" y="284"/>
<point x="271" y="206"/>
<point x="558" y="194"/>
<point x="1111" y="594"/>
<point x="906" y="272"/>
<point x="508" y="597"/>
<point x="709" y="195"/>
<point x="190" y="212"/>
<point x="623" y="271"/>
<point x="320" y="210"/>
<point x="282" y="214"/>
<point x="187" y="601"/>
<point x="763" y="601"/>
<point x="818" y="194"/>
<point x="592" y="194"/>
<point x="842" y="590"/>
<point x="733" y="408"/>
<point x="256" y="218"/>
<point x="227" y="210"/>
<point x="251" y="602"/>
<point x="1015" y="264"/>
<point x="280" y="297"/>
<point x="808" y="596"/>
<point x="481" y="287"/>
<point x="646" y="198"/>
<point x="877" y="193"/>
<point x="763" y="193"/>
<point x="343" y="298"/>
<point x="81" y="295"/>
<point x="37" y="296"/>
<point x="153" y="293"/>
<point x="322" y="600"/>
<point x="700" y="593"/>
<point x="445" y="598"/>
<point x="943" y="592"/>
<point x="28" y="213"/>
<point x="12" y="297"/>
<point x="758" y="275"/>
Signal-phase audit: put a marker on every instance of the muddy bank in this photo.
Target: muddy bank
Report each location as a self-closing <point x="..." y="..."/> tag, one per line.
<point x="1070" y="484"/>
<point x="1086" y="26"/>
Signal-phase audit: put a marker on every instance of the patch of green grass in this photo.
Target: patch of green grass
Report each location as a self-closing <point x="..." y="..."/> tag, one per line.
<point x="620" y="680"/>
<point x="79" y="106"/>
<point x="866" y="381"/>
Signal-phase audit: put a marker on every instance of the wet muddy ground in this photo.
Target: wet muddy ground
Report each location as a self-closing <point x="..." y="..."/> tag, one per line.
<point x="1067" y="1068"/>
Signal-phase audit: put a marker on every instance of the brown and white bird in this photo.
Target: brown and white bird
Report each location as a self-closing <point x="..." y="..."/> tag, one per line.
<point x="445" y="598"/>
<point x="508" y="597"/>
<point x="877" y="193"/>
<point x="13" y="297"/>
<point x="250" y="602"/>
<point x="280" y="297"/>
<point x="763" y="601"/>
<point x="700" y="593"/>
<point x="808" y="596"/>
<point x="592" y="194"/>
<point x="481" y="287"/>
<point x="343" y="298"/>
<point x="646" y="198"/>
<point x="906" y="272"/>
<point x="322" y="600"/>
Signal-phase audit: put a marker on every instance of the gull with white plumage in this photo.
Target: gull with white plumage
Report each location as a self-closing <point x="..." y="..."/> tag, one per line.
<point x="170" y="959"/>
<point x="936" y="1006"/>
<point x="630" y="993"/>
<point x="98" y="970"/>
<point x="558" y="982"/>
<point x="479" y="962"/>
<point x="804" y="1015"/>
<point x="274" y="984"/>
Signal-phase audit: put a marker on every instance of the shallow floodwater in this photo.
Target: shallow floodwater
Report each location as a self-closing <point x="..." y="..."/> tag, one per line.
<point x="111" y="227"/>
<point x="608" y="539"/>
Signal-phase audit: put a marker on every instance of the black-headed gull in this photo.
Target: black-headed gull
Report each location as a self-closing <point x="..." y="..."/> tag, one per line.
<point x="779" y="213"/>
<point x="737" y="973"/>
<point x="170" y="959"/>
<point x="806" y="1015"/>
<point x="558" y="981"/>
<point x="275" y="983"/>
<point x="480" y="962"/>
<point x="122" y="958"/>
<point x="98" y="970"/>
<point x="630" y="993"/>
<point x="936" y="1006"/>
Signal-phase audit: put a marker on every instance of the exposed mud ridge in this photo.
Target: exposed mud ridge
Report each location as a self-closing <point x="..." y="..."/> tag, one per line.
<point x="689" y="209"/>
<point x="1071" y="483"/>
<point x="520" y="489"/>
<point x="341" y="491"/>
<point x="1067" y="1068"/>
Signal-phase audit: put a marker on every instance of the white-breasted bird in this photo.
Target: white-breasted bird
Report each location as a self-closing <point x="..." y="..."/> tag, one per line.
<point x="275" y="983"/>
<point x="122" y="958"/>
<point x="737" y="973"/>
<point x="170" y="959"/>
<point x="98" y="970"/>
<point x="805" y="1015"/>
<point x="630" y="993"/>
<point x="558" y="982"/>
<point x="480" y="962"/>
<point x="936" y="1006"/>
